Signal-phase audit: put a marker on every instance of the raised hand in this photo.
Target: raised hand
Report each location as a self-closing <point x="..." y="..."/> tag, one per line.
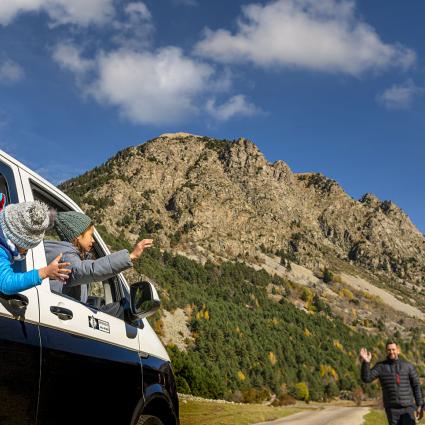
<point x="365" y="355"/>
<point x="56" y="270"/>
<point x="140" y="247"/>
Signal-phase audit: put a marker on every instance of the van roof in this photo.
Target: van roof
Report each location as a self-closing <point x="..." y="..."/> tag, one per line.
<point x="38" y="178"/>
<point x="58" y="192"/>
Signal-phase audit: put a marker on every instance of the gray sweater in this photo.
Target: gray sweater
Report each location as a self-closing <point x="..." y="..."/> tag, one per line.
<point x="85" y="271"/>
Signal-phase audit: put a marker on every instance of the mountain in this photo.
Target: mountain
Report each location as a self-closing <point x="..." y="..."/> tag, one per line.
<point x="286" y="258"/>
<point x="228" y="199"/>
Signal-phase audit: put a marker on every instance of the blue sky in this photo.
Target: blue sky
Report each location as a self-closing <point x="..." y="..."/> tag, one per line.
<point x="336" y="87"/>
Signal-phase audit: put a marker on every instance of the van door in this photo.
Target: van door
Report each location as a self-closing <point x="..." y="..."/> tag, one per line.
<point x="91" y="368"/>
<point x="19" y="336"/>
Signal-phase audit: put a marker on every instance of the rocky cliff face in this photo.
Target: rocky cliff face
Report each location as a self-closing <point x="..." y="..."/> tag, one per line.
<point x="225" y="197"/>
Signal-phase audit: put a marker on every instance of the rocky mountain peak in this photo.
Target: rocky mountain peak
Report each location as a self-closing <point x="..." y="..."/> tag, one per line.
<point x="226" y="198"/>
<point x="178" y="135"/>
<point x="370" y="200"/>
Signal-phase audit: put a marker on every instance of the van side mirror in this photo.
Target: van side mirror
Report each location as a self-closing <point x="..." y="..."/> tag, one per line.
<point x="144" y="299"/>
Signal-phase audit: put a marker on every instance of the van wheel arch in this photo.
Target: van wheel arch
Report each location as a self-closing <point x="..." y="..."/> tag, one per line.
<point x="159" y="408"/>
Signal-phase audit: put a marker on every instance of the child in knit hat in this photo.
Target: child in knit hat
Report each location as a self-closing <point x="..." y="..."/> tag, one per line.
<point x="75" y="230"/>
<point x="22" y="227"/>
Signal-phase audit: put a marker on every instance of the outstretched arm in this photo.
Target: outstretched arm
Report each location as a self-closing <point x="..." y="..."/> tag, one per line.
<point x="87" y="271"/>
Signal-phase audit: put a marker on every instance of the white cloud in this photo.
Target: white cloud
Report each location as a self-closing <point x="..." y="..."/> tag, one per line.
<point x="158" y="87"/>
<point x="163" y="86"/>
<point x="68" y="56"/>
<point x="80" y="12"/>
<point x="400" y="96"/>
<point x="9" y="9"/>
<point x="320" y="35"/>
<point x="10" y="72"/>
<point x="154" y="88"/>
<point x="135" y="31"/>
<point x="236" y="105"/>
<point x="138" y="9"/>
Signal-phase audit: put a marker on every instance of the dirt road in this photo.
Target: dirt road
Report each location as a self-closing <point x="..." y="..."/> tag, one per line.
<point x="327" y="416"/>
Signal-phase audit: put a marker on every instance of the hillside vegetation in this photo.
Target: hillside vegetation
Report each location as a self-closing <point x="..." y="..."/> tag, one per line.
<point x="246" y="346"/>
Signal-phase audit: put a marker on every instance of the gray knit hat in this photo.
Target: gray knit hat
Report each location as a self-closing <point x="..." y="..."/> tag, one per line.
<point x="25" y="223"/>
<point x="70" y="224"/>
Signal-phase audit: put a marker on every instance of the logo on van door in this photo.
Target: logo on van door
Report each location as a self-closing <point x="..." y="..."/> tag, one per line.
<point x="99" y="325"/>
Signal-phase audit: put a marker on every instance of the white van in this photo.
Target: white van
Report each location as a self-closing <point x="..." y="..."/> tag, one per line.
<point x="65" y="362"/>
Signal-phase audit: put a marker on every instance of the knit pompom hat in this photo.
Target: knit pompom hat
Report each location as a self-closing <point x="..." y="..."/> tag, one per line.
<point x="70" y="224"/>
<point x="25" y="223"/>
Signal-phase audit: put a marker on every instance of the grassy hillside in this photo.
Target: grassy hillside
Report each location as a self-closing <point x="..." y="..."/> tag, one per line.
<point x="243" y="341"/>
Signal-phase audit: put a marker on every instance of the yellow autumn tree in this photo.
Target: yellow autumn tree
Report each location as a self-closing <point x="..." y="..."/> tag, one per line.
<point x="328" y="373"/>
<point x="338" y="345"/>
<point x="272" y="358"/>
<point x="301" y="391"/>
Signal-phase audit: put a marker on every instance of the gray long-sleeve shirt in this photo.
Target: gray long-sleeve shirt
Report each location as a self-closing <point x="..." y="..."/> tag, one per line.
<point x="86" y="271"/>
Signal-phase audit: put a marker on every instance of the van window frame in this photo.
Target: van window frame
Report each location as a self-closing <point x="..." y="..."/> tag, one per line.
<point x="12" y="197"/>
<point x="116" y="287"/>
<point x="7" y="171"/>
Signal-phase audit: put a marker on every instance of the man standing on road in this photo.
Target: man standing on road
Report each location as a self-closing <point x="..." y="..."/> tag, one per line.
<point x="400" y="384"/>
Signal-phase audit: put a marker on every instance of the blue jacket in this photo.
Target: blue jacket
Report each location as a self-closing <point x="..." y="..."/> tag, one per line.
<point x="11" y="282"/>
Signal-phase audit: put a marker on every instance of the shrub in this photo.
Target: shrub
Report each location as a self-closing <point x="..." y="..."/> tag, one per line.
<point x="182" y="385"/>
<point x="331" y="390"/>
<point x="327" y="276"/>
<point x="284" y="400"/>
<point x="307" y="295"/>
<point x="300" y="391"/>
<point x="358" y="396"/>
<point x="346" y="293"/>
<point x="255" y="395"/>
<point x="237" y="397"/>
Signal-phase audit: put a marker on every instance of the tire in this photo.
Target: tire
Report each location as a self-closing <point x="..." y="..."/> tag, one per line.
<point x="149" y="420"/>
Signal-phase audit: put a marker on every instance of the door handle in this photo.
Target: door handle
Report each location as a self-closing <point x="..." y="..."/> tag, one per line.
<point x="62" y="313"/>
<point x="16" y="300"/>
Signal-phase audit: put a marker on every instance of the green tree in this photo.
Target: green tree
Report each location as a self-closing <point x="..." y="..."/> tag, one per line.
<point x="327" y="275"/>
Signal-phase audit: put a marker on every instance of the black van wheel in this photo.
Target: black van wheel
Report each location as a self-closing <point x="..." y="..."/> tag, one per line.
<point x="149" y="420"/>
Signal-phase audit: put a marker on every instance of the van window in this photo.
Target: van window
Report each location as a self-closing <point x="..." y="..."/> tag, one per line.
<point x="8" y="188"/>
<point x="8" y="184"/>
<point x="4" y="188"/>
<point x="95" y="294"/>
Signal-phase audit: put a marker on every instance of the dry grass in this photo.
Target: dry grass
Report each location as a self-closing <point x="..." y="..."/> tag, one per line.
<point x="207" y="413"/>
